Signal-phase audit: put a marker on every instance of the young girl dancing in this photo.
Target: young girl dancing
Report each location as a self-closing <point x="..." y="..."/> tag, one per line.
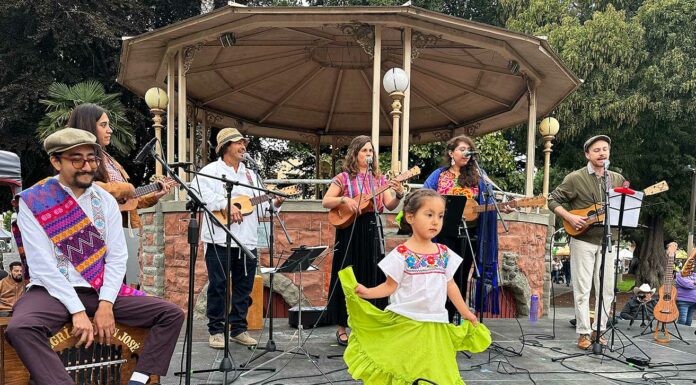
<point x="412" y="338"/>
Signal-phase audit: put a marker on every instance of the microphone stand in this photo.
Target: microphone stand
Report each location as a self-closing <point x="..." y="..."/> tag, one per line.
<point x="378" y="247"/>
<point x="226" y="364"/>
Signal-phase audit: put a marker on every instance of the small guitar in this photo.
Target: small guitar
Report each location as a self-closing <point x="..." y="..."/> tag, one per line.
<point x="132" y="203"/>
<point x="595" y="213"/>
<point x="473" y="209"/>
<point x="666" y="310"/>
<point x="246" y="204"/>
<point x="342" y="216"/>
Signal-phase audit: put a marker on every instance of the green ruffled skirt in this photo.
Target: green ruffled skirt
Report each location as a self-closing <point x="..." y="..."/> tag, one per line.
<point x="385" y="348"/>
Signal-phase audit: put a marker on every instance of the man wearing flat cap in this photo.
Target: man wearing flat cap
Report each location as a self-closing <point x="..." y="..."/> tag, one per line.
<point x="231" y="147"/>
<point x="579" y="190"/>
<point x="70" y="240"/>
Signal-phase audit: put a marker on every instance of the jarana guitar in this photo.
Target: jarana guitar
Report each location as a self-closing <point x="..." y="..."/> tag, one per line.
<point x="666" y="310"/>
<point x="132" y="203"/>
<point x="246" y="204"/>
<point x="342" y="216"/>
<point x="595" y="213"/>
<point x="473" y="209"/>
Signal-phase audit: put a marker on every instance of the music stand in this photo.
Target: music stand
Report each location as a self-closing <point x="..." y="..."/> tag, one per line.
<point x="299" y="261"/>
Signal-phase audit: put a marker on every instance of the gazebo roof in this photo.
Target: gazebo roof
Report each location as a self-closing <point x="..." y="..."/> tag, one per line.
<point x="299" y="72"/>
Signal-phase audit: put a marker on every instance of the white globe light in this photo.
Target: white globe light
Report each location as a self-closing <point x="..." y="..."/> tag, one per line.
<point x="549" y="127"/>
<point x="395" y="80"/>
<point x="156" y="98"/>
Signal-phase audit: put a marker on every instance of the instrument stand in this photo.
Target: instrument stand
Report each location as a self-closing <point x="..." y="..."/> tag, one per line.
<point x="226" y="365"/>
<point x="597" y="349"/>
<point x="270" y="346"/>
<point x="648" y="330"/>
<point x="643" y="317"/>
<point x="300" y="260"/>
<point x="379" y="248"/>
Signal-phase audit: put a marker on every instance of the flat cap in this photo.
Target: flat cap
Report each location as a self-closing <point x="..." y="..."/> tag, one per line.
<point x="595" y="138"/>
<point x="67" y="138"/>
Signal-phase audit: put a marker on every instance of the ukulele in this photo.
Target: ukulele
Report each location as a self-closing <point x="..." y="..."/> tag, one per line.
<point x="342" y="216"/>
<point x="132" y="203"/>
<point x="666" y="310"/>
<point x="595" y="213"/>
<point x="246" y="204"/>
<point x="472" y="209"/>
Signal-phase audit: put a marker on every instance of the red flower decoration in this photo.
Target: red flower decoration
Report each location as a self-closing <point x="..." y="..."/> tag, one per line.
<point x="431" y="260"/>
<point x="401" y="249"/>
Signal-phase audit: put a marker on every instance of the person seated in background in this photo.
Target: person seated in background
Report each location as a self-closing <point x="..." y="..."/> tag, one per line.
<point x="11" y="288"/>
<point x="642" y="296"/>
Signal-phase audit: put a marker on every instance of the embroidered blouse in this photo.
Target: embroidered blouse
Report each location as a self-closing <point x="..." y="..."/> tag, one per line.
<point x="422" y="282"/>
<point x="351" y="187"/>
<point x="447" y="185"/>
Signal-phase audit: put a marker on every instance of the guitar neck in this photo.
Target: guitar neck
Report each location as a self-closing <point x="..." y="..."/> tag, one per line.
<point x="147" y="189"/>
<point x="261" y="199"/>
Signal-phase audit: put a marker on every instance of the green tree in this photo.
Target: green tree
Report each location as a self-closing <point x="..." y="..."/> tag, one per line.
<point x="62" y="99"/>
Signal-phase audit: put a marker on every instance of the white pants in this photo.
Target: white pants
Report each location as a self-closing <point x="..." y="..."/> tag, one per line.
<point x="585" y="260"/>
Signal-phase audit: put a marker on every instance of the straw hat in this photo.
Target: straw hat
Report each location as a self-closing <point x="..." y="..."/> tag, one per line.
<point x="228" y="134"/>
<point x="644" y="288"/>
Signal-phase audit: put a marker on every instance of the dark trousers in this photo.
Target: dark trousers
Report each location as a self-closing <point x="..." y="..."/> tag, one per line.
<point x="37" y="316"/>
<point x="216" y="262"/>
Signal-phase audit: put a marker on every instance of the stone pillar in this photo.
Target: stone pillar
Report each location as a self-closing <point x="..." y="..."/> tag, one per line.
<point x="152" y="261"/>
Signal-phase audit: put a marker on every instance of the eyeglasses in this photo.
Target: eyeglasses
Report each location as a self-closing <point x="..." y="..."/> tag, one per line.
<point x="79" y="163"/>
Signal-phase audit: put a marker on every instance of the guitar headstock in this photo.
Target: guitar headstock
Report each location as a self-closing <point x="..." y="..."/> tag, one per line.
<point x="290" y="190"/>
<point x="538" y="201"/>
<point x="656" y="188"/>
<point x="408" y="174"/>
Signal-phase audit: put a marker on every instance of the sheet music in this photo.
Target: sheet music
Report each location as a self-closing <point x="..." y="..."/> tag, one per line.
<point x="632" y="206"/>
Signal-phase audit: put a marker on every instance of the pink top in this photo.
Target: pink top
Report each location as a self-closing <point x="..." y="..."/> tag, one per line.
<point x="352" y="187"/>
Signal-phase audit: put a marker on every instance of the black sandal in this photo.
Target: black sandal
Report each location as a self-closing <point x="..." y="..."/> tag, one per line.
<point x="339" y="340"/>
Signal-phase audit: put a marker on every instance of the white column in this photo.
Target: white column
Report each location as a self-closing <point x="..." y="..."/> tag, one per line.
<point x="171" y="108"/>
<point x="376" y="87"/>
<point x="182" y="113"/>
<point x="406" y="118"/>
<point x="531" y="135"/>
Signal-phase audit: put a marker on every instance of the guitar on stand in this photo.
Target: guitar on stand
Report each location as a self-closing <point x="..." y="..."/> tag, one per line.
<point x="132" y="203"/>
<point x="666" y="310"/>
<point x="246" y="204"/>
<point x="342" y="216"/>
<point x="595" y="213"/>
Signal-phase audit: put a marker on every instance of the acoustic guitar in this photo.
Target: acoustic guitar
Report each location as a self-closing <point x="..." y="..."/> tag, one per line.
<point x="595" y="213"/>
<point x="342" y="216"/>
<point x="132" y="203"/>
<point x="246" y="204"/>
<point x="666" y="310"/>
<point x="472" y="209"/>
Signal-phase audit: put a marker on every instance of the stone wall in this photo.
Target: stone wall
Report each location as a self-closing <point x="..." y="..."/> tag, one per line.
<point x="165" y="256"/>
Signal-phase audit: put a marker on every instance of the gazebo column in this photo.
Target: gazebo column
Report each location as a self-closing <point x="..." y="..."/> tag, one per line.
<point x="317" y="158"/>
<point x="376" y="87"/>
<point x="405" y="120"/>
<point x="204" y="141"/>
<point x="171" y="108"/>
<point x="531" y="136"/>
<point x="182" y="113"/>
<point x="192" y="135"/>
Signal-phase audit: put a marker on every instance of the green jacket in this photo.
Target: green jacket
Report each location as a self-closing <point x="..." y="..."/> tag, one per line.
<point x="579" y="190"/>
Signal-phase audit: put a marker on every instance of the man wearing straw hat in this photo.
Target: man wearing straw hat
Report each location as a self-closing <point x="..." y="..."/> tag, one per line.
<point x="231" y="147"/>
<point x="69" y="236"/>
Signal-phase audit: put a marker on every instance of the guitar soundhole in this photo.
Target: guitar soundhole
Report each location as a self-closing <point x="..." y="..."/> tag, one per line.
<point x="591" y="213"/>
<point x="667" y="297"/>
<point x="237" y="205"/>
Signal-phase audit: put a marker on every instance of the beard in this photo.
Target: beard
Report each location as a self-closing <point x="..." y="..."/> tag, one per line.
<point x="77" y="183"/>
<point x="18" y="279"/>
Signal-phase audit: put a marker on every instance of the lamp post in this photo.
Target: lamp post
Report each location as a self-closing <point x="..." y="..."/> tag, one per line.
<point x="548" y="130"/>
<point x="157" y="99"/>
<point x="395" y="82"/>
<point x="692" y="210"/>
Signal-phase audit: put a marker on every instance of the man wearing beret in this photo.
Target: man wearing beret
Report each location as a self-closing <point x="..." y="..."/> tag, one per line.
<point x="69" y="236"/>
<point x="580" y="189"/>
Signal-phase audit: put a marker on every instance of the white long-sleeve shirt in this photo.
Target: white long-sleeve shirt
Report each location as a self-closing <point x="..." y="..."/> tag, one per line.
<point x="213" y="193"/>
<point x="49" y="268"/>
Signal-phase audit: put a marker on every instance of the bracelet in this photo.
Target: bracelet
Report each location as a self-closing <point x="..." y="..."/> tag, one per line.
<point x="342" y="201"/>
<point x="399" y="195"/>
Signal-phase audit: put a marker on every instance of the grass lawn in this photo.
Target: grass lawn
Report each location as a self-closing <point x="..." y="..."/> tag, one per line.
<point x="626" y="284"/>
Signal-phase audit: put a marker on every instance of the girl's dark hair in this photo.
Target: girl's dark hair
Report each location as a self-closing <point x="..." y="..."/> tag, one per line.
<point x="351" y="163"/>
<point x="413" y="202"/>
<point x="468" y="175"/>
<point x="85" y="117"/>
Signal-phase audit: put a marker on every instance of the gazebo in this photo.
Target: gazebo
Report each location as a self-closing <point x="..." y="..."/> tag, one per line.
<point x="314" y="75"/>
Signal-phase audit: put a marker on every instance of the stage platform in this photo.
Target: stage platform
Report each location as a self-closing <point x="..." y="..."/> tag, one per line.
<point x="535" y="365"/>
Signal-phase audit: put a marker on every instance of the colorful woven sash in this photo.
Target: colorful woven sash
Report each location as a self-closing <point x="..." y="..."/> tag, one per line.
<point x="70" y="230"/>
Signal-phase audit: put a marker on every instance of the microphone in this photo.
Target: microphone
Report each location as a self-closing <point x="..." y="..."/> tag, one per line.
<point x="606" y="164"/>
<point x="146" y="150"/>
<point x="368" y="160"/>
<point x="250" y="162"/>
<point x="180" y="164"/>
<point x="470" y="153"/>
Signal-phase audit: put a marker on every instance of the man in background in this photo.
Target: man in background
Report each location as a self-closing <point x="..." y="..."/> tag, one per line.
<point x="11" y="288"/>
